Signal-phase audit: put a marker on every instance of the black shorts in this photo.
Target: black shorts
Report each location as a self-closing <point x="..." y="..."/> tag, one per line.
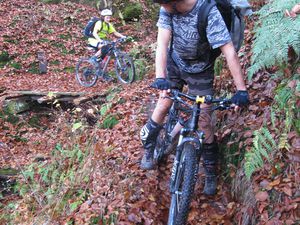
<point x="104" y="49"/>
<point x="198" y="83"/>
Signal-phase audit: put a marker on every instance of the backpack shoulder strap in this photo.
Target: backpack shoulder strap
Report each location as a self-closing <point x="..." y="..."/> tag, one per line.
<point x="172" y="36"/>
<point x="203" y="17"/>
<point x="99" y="20"/>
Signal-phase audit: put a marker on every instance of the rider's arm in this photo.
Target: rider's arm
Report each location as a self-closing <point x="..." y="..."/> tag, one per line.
<point x="112" y="30"/>
<point x="234" y="65"/>
<point x="163" y="39"/>
<point x="97" y="27"/>
<point x="117" y="34"/>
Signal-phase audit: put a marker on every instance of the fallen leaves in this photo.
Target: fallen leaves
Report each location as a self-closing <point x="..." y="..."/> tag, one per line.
<point x="262" y="196"/>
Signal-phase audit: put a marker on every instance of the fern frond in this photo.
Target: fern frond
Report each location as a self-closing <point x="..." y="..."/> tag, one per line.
<point x="274" y="35"/>
<point x="283" y="142"/>
<point x="263" y="145"/>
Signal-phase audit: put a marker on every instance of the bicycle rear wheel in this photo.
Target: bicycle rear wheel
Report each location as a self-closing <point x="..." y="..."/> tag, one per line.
<point x="86" y="72"/>
<point x="184" y="185"/>
<point x="164" y="140"/>
<point x="124" y="67"/>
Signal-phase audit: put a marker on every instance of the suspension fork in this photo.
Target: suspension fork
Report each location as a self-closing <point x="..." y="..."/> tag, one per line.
<point x="184" y="138"/>
<point x="116" y="54"/>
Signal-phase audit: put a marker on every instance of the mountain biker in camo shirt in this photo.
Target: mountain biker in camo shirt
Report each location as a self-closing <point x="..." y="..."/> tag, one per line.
<point x="190" y="61"/>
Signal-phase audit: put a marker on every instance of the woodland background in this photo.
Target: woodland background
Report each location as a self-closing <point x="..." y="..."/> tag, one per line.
<point x="70" y="155"/>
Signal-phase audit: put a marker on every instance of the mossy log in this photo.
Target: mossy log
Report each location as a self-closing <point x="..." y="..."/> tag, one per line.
<point x="21" y="101"/>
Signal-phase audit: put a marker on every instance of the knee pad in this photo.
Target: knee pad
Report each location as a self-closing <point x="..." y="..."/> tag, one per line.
<point x="149" y="133"/>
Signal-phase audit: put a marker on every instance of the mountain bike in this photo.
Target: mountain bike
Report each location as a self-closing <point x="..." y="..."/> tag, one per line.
<point x="188" y="151"/>
<point x="87" y="71"/>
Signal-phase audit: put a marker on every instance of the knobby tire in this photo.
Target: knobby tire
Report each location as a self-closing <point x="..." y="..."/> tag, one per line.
<point x="86" y="72"/>
<point x="163" y="140"/>
<point x="185" y="183"/>
<point x="125" y="73"/>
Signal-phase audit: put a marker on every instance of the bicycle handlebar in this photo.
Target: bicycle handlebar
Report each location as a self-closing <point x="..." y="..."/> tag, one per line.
<point x="119" y="40"/>
<point x="219" y="103"/>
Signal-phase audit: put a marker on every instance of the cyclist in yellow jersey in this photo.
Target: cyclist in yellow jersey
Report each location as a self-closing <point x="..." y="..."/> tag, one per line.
<point x="102" y="29"/>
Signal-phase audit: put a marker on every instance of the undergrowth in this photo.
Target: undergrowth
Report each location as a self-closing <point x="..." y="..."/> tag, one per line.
<point x="281" y="53"/>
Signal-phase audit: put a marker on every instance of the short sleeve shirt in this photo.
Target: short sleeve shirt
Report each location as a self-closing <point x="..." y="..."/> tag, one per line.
<point x="106" y="29"/>
<point x="188" y="52"/>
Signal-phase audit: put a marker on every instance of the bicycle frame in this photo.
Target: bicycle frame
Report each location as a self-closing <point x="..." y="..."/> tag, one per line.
<point x="111" y="51"/>
<point x="187" y="134"/>
<point x="188" y="151"/>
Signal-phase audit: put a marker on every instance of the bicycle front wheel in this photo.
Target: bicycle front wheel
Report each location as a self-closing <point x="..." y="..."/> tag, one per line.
<point x="184" y="185"/>
<point x="86" y="72"/>
<point x="124" y="67"/>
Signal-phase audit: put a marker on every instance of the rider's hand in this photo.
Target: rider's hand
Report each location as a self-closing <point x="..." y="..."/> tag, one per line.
<point x="241" y="98"/>
<point x="161" y="84"/>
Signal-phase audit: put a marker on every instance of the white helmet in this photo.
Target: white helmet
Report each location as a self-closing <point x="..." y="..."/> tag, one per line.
<point x="106" y="12"/>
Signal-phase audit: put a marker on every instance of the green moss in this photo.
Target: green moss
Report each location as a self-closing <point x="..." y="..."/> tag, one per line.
<point x="55" y="62"/>
<point x="34" y="121"/>
<point x="44" y="40"/>
<point x="132" y="11"/>
<point x="109" y="122"/>
<point x="51" y="1"/>
<point x="16" y="65"/>
<point x="65" y="36"/>
<point x="34" y="68"/>
<point x="4" y="58"/>
<point x="49" y="31"/>
<point x="69" y="69"/>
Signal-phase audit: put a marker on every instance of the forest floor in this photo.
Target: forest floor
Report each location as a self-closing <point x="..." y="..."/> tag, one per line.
<point x="118" y="187"/>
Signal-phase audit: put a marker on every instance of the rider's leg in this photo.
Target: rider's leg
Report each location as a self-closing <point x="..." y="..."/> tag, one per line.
<point x="202" y="84"/>
<point x="210" y="151"/>
<point x="150" y="131"/>
<point x="96" y="44"/>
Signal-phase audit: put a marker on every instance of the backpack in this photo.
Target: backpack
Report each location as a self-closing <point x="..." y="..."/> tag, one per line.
<point x="233" y="12"/>
<point x="89" y="28"/>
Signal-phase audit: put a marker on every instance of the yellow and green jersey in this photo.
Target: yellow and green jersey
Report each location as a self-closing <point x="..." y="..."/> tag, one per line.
<point x="103" y="29"/>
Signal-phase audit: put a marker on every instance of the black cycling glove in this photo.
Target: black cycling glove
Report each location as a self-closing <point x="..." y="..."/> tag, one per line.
<point x="161" y="84"/>
<point x="241" y="98"/>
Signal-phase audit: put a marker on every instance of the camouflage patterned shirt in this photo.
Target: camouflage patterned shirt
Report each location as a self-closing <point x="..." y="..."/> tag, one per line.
<point x="188" y="52"/>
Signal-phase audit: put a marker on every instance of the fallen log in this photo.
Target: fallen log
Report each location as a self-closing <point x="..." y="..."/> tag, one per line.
<point x="20" y="101"/>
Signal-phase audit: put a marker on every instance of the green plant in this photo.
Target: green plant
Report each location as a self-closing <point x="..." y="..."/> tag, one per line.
<point x="141" y="63"/>
<point x="70" y="69"/>
<point x="44" y="40"/>
<point x="274" y="35"/>
<point x="109" y="122"/>
<point x="140" y="68"/>
<point x="16" y="65"/>
<point x="34" y="68"/>
<point x="67" y="36"/>
<point x="55" y="62"/>
<point x="51" y="1"/>
<point x="132" y="11"/>
<point x="276" y="45"/>
<point x="263" y="145"/>
<point x="219" y="64"/>
<point x="4" y="58"/>
<point x="55" y="187"/>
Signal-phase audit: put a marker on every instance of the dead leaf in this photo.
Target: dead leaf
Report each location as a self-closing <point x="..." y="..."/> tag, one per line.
<point x="262" y="196"/>
<point x="134" y="218"/>
<point x="287" y="190"/>
<point x="274" y="183"/>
